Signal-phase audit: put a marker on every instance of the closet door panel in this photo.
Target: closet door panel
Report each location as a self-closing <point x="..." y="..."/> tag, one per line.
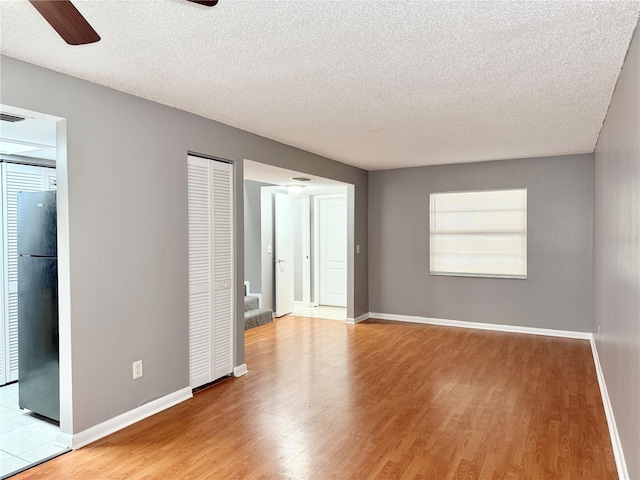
<point x="210" y="203"/>
<point x="223" y="269"/>
<point x="199" y="194"/>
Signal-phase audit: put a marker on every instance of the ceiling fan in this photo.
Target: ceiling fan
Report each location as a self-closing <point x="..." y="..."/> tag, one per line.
<point x="65" y="19"/>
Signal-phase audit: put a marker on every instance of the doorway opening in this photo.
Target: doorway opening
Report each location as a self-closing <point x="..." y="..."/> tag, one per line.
<point x="297" y="242"/>
<point x="30" y="392"/>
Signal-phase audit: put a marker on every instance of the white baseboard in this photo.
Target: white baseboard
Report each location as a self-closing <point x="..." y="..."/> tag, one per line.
<point x="85" y="437"/>
<point x="621" y="465"/>
<point x="240" y="370"/>
<point x="64" y="440"/>
<point x="549" y="332"/>
<point x="358" y="319"/>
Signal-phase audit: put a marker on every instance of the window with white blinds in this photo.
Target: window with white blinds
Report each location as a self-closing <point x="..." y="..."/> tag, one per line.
<point x="479" y="233"/>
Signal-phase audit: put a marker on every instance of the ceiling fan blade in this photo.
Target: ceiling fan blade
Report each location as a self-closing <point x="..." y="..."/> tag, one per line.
<point x="212" y="3"/>
<point x="67" y="21"/>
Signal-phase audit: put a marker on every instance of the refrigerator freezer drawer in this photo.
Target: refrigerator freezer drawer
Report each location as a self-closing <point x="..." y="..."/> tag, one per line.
<point x="38" y="356"/>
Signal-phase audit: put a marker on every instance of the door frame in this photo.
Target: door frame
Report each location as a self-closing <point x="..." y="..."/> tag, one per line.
<point x="305" y="218"/>
<point x="316" y="243"/>
<point x="65" y="434"/>
<point x="277" y="212"/>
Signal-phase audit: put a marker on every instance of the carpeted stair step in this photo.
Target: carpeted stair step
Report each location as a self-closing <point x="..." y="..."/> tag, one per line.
<point x="251" y="303"/>
<point x="255" y="318"/>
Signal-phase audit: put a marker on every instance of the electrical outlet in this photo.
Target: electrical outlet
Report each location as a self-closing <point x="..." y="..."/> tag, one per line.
<point x="137" y="369"/>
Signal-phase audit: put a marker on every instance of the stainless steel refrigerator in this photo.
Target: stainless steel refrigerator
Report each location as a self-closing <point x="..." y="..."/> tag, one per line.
<point x="38" y="359"/>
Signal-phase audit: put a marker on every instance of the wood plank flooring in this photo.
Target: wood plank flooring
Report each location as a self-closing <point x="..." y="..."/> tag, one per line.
<point x="378" y="400"/>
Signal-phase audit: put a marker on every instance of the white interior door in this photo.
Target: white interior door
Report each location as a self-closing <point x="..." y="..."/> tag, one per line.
<point x="211" y="264"/>
<point x="284" y="257"/>
<point x="15" y="178"/>
<point x="332" y="235"/>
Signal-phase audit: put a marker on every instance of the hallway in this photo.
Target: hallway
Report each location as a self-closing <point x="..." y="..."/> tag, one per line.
<point x="322" y="311"/>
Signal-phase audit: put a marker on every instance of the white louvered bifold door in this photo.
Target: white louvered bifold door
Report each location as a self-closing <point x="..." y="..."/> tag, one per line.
<point x="15" y="178"/>
<point x="211" y="254"/>
<point x="51" y="179"/>
<point x="223" y="264"/>
<point x="199" y="271"/>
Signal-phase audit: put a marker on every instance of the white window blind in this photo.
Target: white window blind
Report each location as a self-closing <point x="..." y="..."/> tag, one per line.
<point x="479" y="233"/>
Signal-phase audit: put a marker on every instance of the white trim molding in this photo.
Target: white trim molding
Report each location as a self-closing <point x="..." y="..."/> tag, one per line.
<point x="90" y="435"/>
<point x="618" y="454"/>
<point x="305" y="213"/>
<point x="549" y="332"/>
<point x="358" y="319"/>
<point x="240" y="370"/>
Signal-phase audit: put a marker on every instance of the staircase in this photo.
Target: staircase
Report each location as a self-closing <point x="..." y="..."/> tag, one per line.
<point x="254" y="316"/>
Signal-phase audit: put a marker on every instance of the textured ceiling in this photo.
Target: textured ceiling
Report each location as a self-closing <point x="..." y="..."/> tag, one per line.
<point x="261" y="172"/>
<point x="373" y="84"/>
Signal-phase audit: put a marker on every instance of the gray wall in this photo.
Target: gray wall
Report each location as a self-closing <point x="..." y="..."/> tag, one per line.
<point x="127" y="196"/>
<point x="617" y="254"/>
<point x="559" y="289"/>
<point x="252" y="219"/>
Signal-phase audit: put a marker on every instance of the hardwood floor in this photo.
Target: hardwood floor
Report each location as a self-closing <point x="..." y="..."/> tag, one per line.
<point x="325" y="400"/>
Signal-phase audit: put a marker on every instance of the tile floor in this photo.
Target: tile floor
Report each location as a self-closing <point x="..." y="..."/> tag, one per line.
<point x="24" y="439"/>
<point x="330" y="313"/>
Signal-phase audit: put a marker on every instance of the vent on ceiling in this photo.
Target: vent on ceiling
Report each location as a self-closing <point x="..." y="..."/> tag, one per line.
<point x="6" y="117"/>
<point x="301" y="179"/>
